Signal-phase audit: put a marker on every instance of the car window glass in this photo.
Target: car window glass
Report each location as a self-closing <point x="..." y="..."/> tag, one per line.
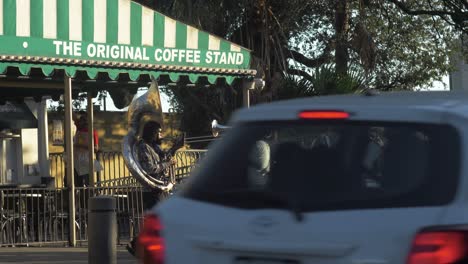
<point x="328" y="165"/>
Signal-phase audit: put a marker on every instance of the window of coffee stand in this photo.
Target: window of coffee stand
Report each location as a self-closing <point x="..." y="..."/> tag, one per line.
<point x="54" y="47"/>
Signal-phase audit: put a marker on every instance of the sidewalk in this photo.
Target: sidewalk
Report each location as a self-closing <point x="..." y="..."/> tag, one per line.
<point x="44" y="255"/>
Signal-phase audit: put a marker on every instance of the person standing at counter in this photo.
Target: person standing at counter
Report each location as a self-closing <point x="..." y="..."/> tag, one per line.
<point x="81" y="152"/>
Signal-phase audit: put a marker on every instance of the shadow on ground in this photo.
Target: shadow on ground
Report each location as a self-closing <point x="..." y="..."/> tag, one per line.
<point x="55" y="255"/>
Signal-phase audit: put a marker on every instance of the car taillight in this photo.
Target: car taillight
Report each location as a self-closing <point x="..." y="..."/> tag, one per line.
<point x="437" y="247"/>
<point x="150" y="247"/>
<point x="323" y="115"/>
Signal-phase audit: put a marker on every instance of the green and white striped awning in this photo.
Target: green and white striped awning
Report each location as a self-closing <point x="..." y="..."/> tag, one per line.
<point x="113" y="36"/>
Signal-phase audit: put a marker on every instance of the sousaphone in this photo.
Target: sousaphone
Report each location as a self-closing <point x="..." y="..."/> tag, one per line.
<point x="142" y="110"/>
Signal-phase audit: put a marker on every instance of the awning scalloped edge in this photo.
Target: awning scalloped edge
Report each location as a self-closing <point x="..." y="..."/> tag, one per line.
<point x="124" y="65"/>
<point x="113" y="73"/>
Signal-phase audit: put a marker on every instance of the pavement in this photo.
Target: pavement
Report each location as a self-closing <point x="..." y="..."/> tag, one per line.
<point x="42" y="255"/>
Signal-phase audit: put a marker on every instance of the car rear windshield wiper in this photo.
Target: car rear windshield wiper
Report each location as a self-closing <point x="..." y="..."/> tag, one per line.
<point x="266" y="197"/>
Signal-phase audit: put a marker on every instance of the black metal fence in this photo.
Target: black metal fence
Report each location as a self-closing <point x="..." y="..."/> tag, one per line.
<point x="38" y="216"/>
<point x="31" y="215"/>
<point x="129" y="200"/>
<point x="186" y="161"/>
<point x="41" y="216"/>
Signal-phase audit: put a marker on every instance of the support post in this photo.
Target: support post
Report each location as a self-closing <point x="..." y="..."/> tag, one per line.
<point x="105" y="101"/>
<point x="102" y="230"/>
<point x="91" y="138"/>
<point x="43" y="138"/>
<point x="70" y="168"/>
<point x="43" y="144"/>
<point x="246" y="86"/>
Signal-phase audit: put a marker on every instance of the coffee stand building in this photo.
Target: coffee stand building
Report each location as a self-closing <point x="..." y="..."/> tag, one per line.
<point x="50" y="48"/>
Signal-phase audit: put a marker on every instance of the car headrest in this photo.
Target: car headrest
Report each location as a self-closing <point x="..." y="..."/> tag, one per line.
<point x="259" y="156"/>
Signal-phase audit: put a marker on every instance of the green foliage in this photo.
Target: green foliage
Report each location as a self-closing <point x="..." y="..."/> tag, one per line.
<point x="383" y="46"/>
<point x="323" y="81"/>
<point x="200" y="104"/>
<point x="293" y="87"/>
<point x="326" y="81"/>
<point x="411" y="50"/>
<point x="408" y="50"/>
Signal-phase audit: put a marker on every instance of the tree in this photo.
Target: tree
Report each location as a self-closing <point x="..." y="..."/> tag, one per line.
<point x="382" y="44"/>
<point x="200" y="104"/>
<point x="79" y="101"/>
<point x="454" y="12"/>
<point x="396" y="50"/>
<point x="312" y="33"/>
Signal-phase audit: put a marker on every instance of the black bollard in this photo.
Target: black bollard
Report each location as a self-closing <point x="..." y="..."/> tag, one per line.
<point x="102" y="230"/>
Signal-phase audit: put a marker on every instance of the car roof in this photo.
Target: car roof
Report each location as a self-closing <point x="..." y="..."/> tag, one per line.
<point x="424" y="106"/>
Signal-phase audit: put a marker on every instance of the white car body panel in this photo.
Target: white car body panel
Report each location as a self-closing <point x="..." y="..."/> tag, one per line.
<point x="199" y="232"/>
<point x="215" y="234"/>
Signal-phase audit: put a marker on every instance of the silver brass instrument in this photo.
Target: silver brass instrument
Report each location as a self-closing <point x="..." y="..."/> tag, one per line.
<point x="142" y="110"/>
<point x="217" y="128"/>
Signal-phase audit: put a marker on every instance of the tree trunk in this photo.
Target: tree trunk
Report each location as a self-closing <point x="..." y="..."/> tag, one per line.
<point x="189" y="11"/>
<point x="341" y="31"/>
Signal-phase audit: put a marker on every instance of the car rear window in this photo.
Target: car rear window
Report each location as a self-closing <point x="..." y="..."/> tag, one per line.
<point x="329" y="166"/>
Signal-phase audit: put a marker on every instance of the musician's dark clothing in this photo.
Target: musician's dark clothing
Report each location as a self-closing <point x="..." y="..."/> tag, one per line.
<point x="151" y="158"/>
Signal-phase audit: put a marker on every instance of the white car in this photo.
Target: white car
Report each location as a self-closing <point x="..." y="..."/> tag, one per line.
<point x="355" y="179"/>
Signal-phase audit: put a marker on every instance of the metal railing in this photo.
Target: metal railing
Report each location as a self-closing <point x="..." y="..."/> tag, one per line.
<point x="40" y="216"/>
<point x="129" y="202"/>
<point x="30" y="215"/>
<point x="121" y="181"/>
<point x="186" y="161"/>
<point x="116" y="173"/>
<point x="113" y="165"/>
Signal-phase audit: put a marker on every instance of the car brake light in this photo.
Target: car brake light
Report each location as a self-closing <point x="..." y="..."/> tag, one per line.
<point x="150" y="247"/>
<point x="437" y="247"/>
<point x="323" y="115"/>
